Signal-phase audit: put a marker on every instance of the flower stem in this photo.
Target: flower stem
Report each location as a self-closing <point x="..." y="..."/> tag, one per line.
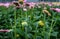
<point x="15" y="23"/>
<point x="50" y="29"/>
<point x="52" y="25"/>
<point x="26" y="26"/>
<point x="44" y="26"/>
<point x="26" y="32"/>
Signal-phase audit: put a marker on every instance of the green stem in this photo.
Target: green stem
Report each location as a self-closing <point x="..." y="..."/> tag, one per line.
<point x="20" y="16"/>
<point x="31" y="16"/>
<point x="12" y="35"/>
<point x="52" y="25"/>
<point x="15" y="23"/>
<point x="36" y="32"/>
<point x="50" y="29"/>
<point x="44" y="26"/>
<point x="26" y="26"/>
<point x="26" y="33"/>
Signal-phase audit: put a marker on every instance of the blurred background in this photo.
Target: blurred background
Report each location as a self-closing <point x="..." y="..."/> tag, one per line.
<point x="32" y="0"/>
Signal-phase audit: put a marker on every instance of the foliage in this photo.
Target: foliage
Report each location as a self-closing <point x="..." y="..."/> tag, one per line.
<point x="27" y="24"/>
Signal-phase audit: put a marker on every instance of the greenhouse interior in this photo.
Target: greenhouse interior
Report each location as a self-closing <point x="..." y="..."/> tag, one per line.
<point x="29" y="19"/>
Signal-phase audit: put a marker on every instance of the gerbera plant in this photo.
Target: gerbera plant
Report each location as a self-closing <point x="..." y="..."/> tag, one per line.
<point x="29" y="20"/>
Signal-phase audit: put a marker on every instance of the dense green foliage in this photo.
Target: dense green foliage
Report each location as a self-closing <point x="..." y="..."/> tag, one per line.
<point x="25" y="23"/>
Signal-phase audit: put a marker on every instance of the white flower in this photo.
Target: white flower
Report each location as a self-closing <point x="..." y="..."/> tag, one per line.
<point x="24" y="9"/>
<point x="39" y="6"/>
<point x="45" y="8"/>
